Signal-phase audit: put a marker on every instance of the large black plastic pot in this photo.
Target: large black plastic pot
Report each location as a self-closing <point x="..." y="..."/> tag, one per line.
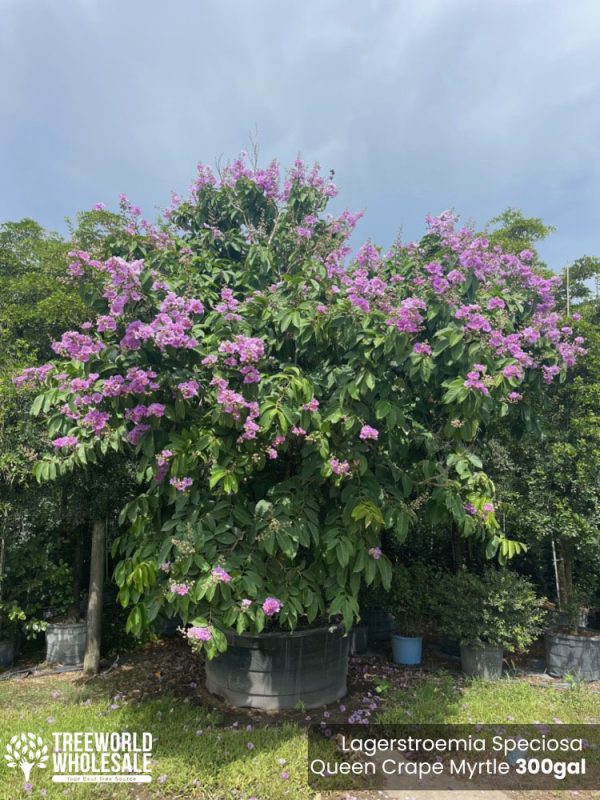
<point x="359" y="639"/>
<point x="483" y="661"/>
<point x="567" y="654"/>
<point x="381" y="624"/>
<point x="449" y="646"/>
<point x="65" y="643"/>
<point x="274" y="671"/>
<point x="7" y="652"/>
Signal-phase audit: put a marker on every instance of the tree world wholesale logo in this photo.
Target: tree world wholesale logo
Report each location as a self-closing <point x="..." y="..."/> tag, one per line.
<point x="84" y="756"/>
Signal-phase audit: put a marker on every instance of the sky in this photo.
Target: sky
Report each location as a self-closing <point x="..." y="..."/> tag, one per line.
<point x="418" y="105"/>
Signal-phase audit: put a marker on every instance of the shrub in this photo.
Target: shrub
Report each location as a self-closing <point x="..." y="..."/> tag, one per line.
<point x="500" y="609"/>
<point x="409" y="598"/>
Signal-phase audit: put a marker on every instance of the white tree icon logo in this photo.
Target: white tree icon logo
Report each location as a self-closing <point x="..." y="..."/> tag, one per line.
<point x="26" y="751"/>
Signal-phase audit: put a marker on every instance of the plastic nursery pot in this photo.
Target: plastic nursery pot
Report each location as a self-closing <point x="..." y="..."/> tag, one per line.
<point x="7" y="652"/>
<point x="560" y="619"/>
<point x="570" y="654"/>
<point x="380" y="624"/>
<point x="407" y="649"/>
<point x="275" y="671"/>
<point x="359" y="639"/>
<point x="449" y="646"/>
<point x="65" y="643"/>
<point x="482" y="661"/>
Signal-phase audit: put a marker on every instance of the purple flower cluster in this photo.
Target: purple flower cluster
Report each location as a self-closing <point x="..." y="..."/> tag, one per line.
<point x="188" y="389"/>
<point x="33" y="376"/>
<point x="367" y="432"/>
<point x="422" y="349"/>
<point x="180" y="588"/>
<point x="220" y="575"/>
<point x="272" y="606"/>
<point x="475" y="379"/>
<point x="245" y="348"/>
<point x="198" y="634"/>
<point x="228" y="306"/>
<point x="339" y="467"/>
<point x="65" y="441"/>
<point x="181" y="484"/>
<point x="77" y="346"/>
<point x="268" y="181"/>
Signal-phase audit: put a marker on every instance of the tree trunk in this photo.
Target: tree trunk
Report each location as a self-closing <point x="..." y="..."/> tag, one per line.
<point x="91" y="661"/>
<point x="565" y="572"/>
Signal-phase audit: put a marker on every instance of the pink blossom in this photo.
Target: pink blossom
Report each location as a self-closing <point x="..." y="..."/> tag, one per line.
<point x="199" y="634"/>
<point x="251" y="374"/>
<point x="375" y="553"/>
<point x="180" y="588"/>
<point x="65" y="441"/>
<point x="495" y="303"/>
<point x="163" y="457"/>
<point x="312" y="405"/>
<point x="188" y="389"/>
<point x="422" y="348"/>
<point x="181" y="484"/>
<point x="220" y="575"/>
<point x="97" y="420"/>
<point x="272" y="606"/>
<point x="339" y="467"/>
<point x="33" y="376"/>
<point x="77" y="346"/>
<point x="549" y="373"/>
<point x="367" y="432"/>
<point x="513" y="371"/>
<point x="135" y="434"/>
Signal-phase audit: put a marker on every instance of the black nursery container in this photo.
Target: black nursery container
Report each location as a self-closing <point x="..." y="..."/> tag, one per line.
<point x="275" y="671"/>
<point x="381" y="625"/>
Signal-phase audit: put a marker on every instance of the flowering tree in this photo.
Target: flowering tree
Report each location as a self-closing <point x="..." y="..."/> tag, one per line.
<point x="284" y="403"/>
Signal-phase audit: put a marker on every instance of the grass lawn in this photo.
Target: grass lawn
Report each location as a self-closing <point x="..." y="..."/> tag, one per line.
<point x="203" y="749"/>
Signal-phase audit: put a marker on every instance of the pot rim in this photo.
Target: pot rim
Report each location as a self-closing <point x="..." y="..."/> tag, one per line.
<point x="334" y="628"/>
<point x="482" y="646"/>
<point x="66" y="625"/>
<point x="575" y="637"/>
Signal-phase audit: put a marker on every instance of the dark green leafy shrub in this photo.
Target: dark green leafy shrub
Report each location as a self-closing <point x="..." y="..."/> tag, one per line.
<point x="501" y="608"/>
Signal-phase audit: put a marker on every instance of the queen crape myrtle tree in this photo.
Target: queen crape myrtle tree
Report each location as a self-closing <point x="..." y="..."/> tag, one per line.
<point x="286" y="404"/>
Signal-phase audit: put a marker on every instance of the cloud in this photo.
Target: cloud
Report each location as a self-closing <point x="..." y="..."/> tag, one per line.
<point x="418" y="106"/>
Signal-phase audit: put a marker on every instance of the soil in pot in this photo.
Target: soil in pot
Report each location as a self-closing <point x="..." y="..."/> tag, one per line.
<point x="573" y="654"/>
<point x="65" y="643"/>
<point x="482" y="662"/>
<point x="407" y="649"/>
<point x="276" y="671"/>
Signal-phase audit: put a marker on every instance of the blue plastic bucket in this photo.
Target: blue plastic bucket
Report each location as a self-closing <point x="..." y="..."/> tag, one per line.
<point x="407" y="649"/>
